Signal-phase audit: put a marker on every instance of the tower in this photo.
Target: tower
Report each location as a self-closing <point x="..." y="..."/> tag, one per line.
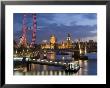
<point x="85" y="48"/>
<point x="69" y="41"/>
<point x="52" y="41"/>
<point x="68" y="37"/>
<point x="23" y="40"/>
<point x="34" y="31"/>
<point x="80" y="50"/>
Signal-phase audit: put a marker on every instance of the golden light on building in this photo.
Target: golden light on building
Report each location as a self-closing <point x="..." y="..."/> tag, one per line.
<point x="49" y="45"/>
<point x="52" y="39"/>
<point x="45" y="44"/>
<point x="52" y="56"/>
<point x="85" y="50"/>
<point x="68" y="37"/>
<point x="69" y="42"/>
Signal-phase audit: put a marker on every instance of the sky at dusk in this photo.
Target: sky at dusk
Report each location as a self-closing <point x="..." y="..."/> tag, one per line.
<point x="79" y="25"/>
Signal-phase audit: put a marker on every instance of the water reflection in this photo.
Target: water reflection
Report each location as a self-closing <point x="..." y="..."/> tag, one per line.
<point x="51" y="72"/>
<point x="37" y="69"/>
<point x="85" y="67"/>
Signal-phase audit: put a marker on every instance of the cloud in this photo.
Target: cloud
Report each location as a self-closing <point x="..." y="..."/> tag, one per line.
<point x="78" y="25"/>
<point x="89" y="38"/>
<point x="90" y="16"/>
<point x="73" y="19"/>
<point x="62" y="30"/>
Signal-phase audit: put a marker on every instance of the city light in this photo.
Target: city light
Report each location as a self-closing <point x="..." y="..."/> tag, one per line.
<point x="67" y="53"/>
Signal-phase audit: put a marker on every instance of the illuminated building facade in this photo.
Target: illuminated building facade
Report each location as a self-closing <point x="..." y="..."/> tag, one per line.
<point x="69" y="42"/>
<point x="49" y="45"/>
<point x="45" y="44"/>
<point x="53" y="41"/>
<point x="66" y="44"/>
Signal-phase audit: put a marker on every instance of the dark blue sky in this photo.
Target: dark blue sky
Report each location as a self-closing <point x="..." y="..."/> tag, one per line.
<point x="79" y="25"/>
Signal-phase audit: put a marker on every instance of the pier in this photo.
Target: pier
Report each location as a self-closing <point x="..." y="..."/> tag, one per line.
<point x="28" y="63"/>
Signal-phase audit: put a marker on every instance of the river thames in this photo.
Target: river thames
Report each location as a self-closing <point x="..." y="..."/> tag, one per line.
<point x="88" y="67"/>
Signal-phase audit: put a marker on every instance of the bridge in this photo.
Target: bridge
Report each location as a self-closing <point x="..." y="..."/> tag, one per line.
<point x="59" y="50"/>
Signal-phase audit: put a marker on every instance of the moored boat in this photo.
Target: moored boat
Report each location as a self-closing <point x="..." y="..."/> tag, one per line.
<point x="72" y="67"/>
